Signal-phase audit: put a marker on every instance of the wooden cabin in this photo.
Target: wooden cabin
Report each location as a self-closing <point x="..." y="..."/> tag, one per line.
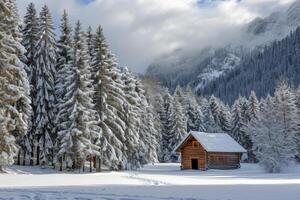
<point x="202" y="151"/>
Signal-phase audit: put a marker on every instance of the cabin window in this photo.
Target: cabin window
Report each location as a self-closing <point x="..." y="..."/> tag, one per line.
<point x="195" y="144"/>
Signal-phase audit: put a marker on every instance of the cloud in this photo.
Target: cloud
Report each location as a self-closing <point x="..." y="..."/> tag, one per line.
<point x="139" y="31"/>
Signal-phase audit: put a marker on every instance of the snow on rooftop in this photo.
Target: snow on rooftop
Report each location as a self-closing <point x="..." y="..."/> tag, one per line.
<point x="216" y="142"/>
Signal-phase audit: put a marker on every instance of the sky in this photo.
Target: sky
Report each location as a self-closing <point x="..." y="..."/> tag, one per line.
<point x="141" y="31"/>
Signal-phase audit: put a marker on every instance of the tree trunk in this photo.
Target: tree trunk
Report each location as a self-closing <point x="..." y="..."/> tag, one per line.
<point x="99" y="165"/>
<point x="61" y="163"/>
<point x="32" y="155"/>
<point x="19" y="158"/>
<point x="38" y="155"/>
<point x="24" y="158"/>
<point x="83" y="165"/>
<point x="91" y="167"/>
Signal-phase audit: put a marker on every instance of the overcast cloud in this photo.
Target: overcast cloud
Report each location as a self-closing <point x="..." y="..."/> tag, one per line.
<point x="139" y="31"/>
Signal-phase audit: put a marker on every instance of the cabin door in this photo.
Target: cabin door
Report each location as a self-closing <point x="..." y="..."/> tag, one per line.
<point x="195" y="164"/>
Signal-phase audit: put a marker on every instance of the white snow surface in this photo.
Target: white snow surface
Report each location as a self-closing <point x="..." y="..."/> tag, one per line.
<point x="158" y="181"/>
<point x="216" y="142"/>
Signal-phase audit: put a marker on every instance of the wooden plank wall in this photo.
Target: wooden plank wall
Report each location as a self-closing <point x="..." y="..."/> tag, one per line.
<point x="223" y="160"/>
<point x="191" y="151"/>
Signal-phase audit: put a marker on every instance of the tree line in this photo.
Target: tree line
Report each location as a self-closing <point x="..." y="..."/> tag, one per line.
<point x="66" y="100"/>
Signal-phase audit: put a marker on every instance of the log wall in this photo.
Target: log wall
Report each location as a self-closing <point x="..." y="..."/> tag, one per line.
<point x="223" y="160"/>
<point x="193" y="150"/>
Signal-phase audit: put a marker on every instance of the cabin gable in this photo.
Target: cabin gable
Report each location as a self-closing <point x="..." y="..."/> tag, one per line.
<point x="191" y="152"/>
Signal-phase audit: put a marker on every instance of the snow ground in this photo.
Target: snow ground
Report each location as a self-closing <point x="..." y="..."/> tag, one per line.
<point x="159" y="181"/>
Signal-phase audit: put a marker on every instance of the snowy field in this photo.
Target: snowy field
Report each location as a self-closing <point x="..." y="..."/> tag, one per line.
<point x="161" y="181"/>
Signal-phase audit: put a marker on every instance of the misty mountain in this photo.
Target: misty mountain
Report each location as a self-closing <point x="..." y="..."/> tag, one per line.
<point x="199" y="69"/>
<point x="260" y="71"/>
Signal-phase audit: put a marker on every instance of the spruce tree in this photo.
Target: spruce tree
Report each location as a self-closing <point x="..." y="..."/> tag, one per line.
<point x="90" y="39"/>
<point x="168" y="130"/>
<point x="209" y="124"/>
<point x="148" y="130"/>
<point x="76" y="140"/>
<point x="29" y="41"/>
<point x="14" y="99"/>
<point x="274" y="130"/>
<point x="109" y="99"/>
<point x="253" y="106"/>
<point x="131" y="118"/>
<point x="64" y="70"/>
<point x="44" y="100"/>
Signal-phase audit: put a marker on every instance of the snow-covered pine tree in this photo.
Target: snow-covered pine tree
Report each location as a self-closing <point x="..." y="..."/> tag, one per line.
<point x="195" y="118"/>
<point x="44" y="100"/>
<point x="109" y="99"/>
<point x="167" y="117"/>
<point x="131" y="118"/>
<point x="148" y="131"/>
<point x="64" y="56"/>
<point x="209" y="124"/>
<point x="76" y="140"/>
<point x="240" y="120"/>
<point x="90" y="38"/>
<point x="221" y="114"/>
<point x="178" y="128"/>
<point x="29" y="41"/>
<point x="14" y="99"/>
<point x="64" y="70"/>
<point x="273" y="132"/>
<point x="253" y="106"/>
<point x="225" y="118"/>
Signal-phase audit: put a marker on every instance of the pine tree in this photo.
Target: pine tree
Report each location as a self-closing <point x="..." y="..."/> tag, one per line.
<point x="148" y="131"/>
<point x="90" y="38"/>
<point x="29" y="41"/>
<point x="109" y="99"/>
<point x="167" y="117"/>
<point x="131" y="118"/>
<point x="178" y="128"/>
<point x="64" y="70"/>
<point x="209" y="124"/>
<point x="64" y="56"/>
<point x="221" y="114"/>
<point x="253" y="106"/>
<point x="274" y="130"/>
<point x="14" y="99"/>
<point x="76" y="140"/>
<point x="44" y="101"/>
<point x="240" y="122"/>
<point x="195" y="118"/>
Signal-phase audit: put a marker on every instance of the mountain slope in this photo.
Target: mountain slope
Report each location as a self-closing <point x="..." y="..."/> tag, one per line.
<point x="260" y="71"/>
<point x="203" y="67"/>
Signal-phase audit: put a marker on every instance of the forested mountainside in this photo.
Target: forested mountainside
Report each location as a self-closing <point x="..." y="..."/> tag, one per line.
<point x="200" y="69"/>
<point x="261" y="71"/>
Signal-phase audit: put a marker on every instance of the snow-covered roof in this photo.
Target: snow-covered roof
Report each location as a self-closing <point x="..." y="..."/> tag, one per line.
<point x="214" y="142"/>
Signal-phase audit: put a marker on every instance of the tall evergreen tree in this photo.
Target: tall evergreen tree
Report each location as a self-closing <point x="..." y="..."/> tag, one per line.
<point x="274" y="130"/>
<point x="76" y="140"/>
<point x="109" y="99"/>
<point x="29" y="41"/>
<point x="131" y="118"/>
<point x="64" y="70"/>
<point x="14" y="99"/>
<point x="149" y="134"/>
<point x="253" y="106"/>
<point x="90" y="38"/>
<point x="44" y="100"/>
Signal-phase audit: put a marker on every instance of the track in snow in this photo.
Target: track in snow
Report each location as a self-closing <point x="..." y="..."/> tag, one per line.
<point x="54" y="195"/>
